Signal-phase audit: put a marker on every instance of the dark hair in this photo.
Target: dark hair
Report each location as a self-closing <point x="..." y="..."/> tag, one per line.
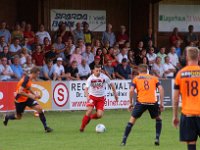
<point x="97" y="66"/>
<point x="143" y="68"/>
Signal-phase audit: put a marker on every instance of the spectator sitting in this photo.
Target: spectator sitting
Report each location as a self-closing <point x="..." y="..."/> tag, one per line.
<point x="121" y="55"/>
<point x="169" y="69"/>
<point x="116" y="49"/>
<point x="108" y="35"/>
<point x="149" y="37"/>
<point x="99" y="53"/>
<point x="111" y="57"/>
<point x="38" y="56"/>
<point x="60" y="47"/>
<point x="24" y="54"/>
<point x="42" y="34"/>
<point x="27" y="46"/>
<point x="28" y="65"/>
<point x="6" y="72"/>
<point x="5" y="32"/>
<point x="28" y="33"/>
<point x="2" y="43"/>
<point x="58" y="70"/>
<point x="96" y="61"/>
<point x="84" y="70"/>
<point x="131" y="59"/>
<point x="123" y="70"/>
<point x="73" y="71"/>
<point x="76" y="56"/>
<point x="46" y="47"/>
<point x="15" y="48"/>
<point x="52" y="54"/>
<point x="140" y="47"/>
<point x="47" y="71"/>
<point x="162" y="54"/>
<point x="139" y="58"/>
<point x="17" y="33"/>
<point x="87" y="55"/>
<point x="122" y="36"/>
<point x="17" y="68"/>
<point x="109" y="70"/>
<point x="151" y="57"/>
<point x="70" y="46"/>
<point x="150" y="45"/>
<point x="97" y="44"/>
<point x="6" y="54"/>
<point x="157" y="68"/>
<point x="173" y="58"/>
<point x="81" y="45"/>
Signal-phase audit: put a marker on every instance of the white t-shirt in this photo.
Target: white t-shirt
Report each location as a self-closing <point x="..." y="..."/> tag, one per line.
<point x="42" y="35"/>
<point x="8" y="70"/>
<point x="97" y="85"/>
<point x="167" y="67"/>
<point x="58" y="69"/>
<point x="13" y="48"/>
<point x="151" y="57"/>
<point x="173" y="59"/>
<point x="120" y="57"/>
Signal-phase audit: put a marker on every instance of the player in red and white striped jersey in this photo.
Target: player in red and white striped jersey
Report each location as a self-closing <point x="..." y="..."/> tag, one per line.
<point x="95" y="93"/>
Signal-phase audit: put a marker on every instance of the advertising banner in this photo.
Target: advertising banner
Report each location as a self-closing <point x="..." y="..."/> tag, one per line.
<point x="95" y="18"/>
<point x="180" y="16"/>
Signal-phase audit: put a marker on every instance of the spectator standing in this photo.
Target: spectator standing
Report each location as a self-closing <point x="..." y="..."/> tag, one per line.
<point x="88" y="35"/>
<point x="5" y="32"/>
<point x="78" y="33"/>
<point x="108" y="35"/>
<point x="122" y="37"/>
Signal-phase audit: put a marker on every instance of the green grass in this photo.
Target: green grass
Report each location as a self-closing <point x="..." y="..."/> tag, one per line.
<point x="28" y="133"/>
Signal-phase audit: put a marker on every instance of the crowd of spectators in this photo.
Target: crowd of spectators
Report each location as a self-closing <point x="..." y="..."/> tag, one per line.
<point x="72" y="54"/>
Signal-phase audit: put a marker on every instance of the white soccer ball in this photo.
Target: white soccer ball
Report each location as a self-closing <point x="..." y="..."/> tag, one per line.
<point x="100" y="128"/>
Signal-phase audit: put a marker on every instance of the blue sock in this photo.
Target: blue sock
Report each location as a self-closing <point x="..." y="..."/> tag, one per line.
<point x="11" y="117"/>
<point x="43" y="119"/>
<point x="158" y="128"/>
<point x="191" y="146"/>
<point x="127" y="131"/>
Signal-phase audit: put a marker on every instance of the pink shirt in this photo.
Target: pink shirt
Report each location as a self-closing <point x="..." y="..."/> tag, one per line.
<point x="76" y="57"/>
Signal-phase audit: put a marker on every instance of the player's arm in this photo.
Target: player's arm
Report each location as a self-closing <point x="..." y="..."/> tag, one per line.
<point x="175" y="108"/>
<point x="131" y="94"/>
<point x="161" y="91"/>
<point x="86" y="92"/>
<point x="29" y="95"/>
<point x="34" y="93"/>
<point x="114" y="91"/>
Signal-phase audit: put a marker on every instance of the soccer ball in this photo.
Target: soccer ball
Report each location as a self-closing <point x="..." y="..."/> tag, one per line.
<point x="100" y="128"/>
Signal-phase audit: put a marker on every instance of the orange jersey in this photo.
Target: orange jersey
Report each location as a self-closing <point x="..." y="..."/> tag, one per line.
<point x="188" y="82"/>
<point x="26" y="84"/>
<point x="146" y="85"/>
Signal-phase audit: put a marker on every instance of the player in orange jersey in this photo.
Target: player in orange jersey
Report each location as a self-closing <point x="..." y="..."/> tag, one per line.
<point x="25" y="96"/>
<point x="145" y="86"/>
<point x="187" y="84"/>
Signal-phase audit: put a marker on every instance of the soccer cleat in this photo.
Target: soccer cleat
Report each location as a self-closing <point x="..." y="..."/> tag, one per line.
<point x="81" y="130"/>
<point x="123" y="144"/>
<point x="5" y="120"/>
<point x="157" y="142"/>
<point x="48" y="129"/>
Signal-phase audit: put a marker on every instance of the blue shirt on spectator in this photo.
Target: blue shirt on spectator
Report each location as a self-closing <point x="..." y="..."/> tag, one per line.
<point x="17" y="70"/>
<point x="6" y="34"/>
<point x="109" y="37"/>
<point x="125" y="72"/>
<point x="48" y="71"/>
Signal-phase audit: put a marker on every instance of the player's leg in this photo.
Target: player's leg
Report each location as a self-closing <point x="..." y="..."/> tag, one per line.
<point x="86" y="118"/>
<point x="191" y="145"/>
<point x="99" y="105"/>
<point x="136" y="113"/>
<point x="33" y="104"/>
<point x="154" y="111"/>
<point x="13" y="116"/>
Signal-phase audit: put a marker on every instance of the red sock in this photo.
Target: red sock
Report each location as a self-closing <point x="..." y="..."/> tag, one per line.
<point x="85" y="121"/>
<point x="94" y="116"/>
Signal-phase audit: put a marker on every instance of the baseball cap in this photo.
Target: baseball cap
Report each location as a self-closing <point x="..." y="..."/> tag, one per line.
<point x="59" y="59"/>
<point x="97" y="57"/>
<point x="124" y="60"/>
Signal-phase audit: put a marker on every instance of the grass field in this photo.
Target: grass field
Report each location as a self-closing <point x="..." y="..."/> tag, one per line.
<point x="28" y="134"/>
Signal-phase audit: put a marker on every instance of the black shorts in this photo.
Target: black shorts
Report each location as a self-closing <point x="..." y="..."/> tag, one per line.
<point x="139" y="108"/>
<point x="20" y="107"/>
<point x="189" y="128"/>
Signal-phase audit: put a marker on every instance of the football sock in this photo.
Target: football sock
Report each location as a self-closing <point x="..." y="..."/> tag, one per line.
<point x="85" y="121"/>
<point x="158" y="128"/>
<point x="43" y="119"/>
<point x="94" y="116"/>
<point x="127" y="131"/>
<point x="191" y="146"/>
<point x="11" y="117"/>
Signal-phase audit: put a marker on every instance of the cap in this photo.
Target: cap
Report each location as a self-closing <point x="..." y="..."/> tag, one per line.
<point x="97" y="57"/>
<point x="59" y="59"/>
<point x="124" y="60"/>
